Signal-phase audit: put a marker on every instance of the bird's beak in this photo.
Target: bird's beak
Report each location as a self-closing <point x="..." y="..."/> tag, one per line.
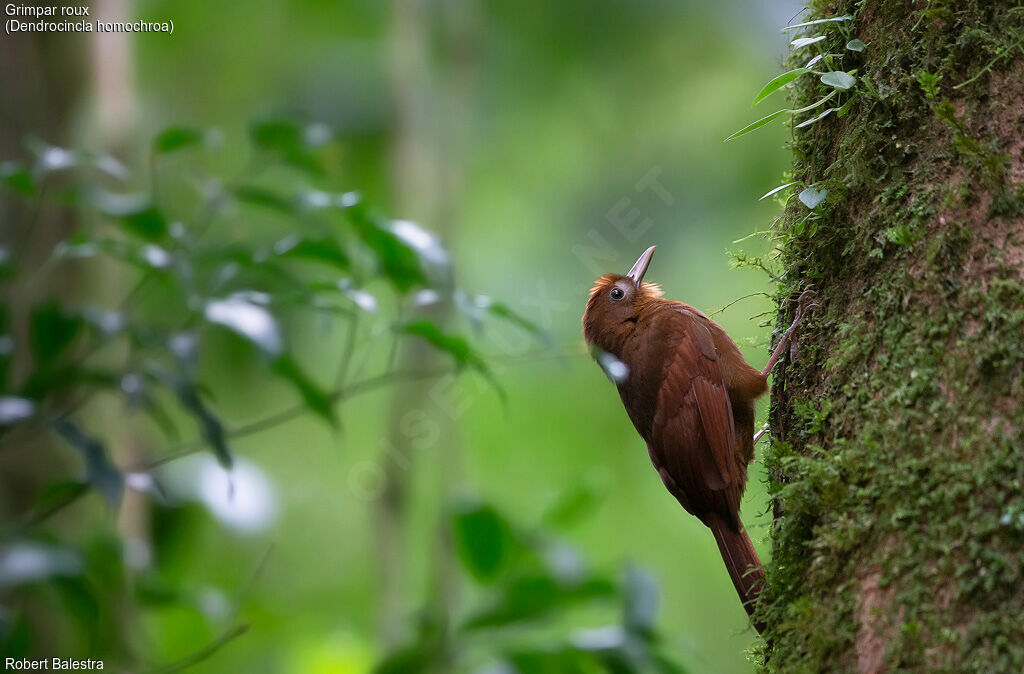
<point x="640" y="268"/>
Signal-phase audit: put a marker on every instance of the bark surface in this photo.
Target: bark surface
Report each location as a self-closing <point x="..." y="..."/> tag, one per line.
<point x="897" y="461"/>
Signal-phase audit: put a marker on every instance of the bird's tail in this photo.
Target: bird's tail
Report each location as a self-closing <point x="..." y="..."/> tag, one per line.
<point x="742" y="562"/>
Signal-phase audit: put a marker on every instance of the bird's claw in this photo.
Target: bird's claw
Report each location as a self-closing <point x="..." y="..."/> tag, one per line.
<point x="805" y="303"/>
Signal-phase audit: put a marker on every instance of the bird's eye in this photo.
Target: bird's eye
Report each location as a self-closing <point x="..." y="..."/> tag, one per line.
<point x="617" y="294"/>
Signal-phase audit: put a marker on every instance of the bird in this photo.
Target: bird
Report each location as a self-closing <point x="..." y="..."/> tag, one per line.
<point x="690" y="395"/>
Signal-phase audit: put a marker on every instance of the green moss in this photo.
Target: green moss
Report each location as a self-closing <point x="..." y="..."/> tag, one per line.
<point x="898" y="433"/>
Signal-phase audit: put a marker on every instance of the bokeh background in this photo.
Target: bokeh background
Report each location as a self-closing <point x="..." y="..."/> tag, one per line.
<point x="545" y="143"/>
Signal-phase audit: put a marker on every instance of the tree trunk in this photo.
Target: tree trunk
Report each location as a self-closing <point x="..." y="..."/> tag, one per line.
<point x="432" y="108"/>
<point x="41" y="78"/>
<point x="897" y="462"/>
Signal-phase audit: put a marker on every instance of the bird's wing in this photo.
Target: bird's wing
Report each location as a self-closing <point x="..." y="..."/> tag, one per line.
<point x="693" y="438"/>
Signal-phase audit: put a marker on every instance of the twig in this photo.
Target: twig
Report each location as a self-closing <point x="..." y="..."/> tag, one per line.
<point x="34" y="518"/>
<point x="251" y="582"/>
<point x="297" y="411"/>
<point x="204" y="652"/>
<point x="237" y="631"/>
<point x="35" y="213"/>
<point x="284" y="416"/>
<point x="739" y="299"/>
<point x="350" y="347"/>
<point x="1003" y="53"/>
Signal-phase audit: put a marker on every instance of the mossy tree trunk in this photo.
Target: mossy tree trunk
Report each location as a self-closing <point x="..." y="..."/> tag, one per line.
<point x="897" y="463"/>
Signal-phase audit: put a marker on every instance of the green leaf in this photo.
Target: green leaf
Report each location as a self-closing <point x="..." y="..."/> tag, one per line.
<point x="426" y="651"/>
<point x="805" y="41"/>
<point x="561" y="659"/>
<point x="149" y="256"/>
<point x="816" y="22"/>
<point x="245" y="317"/>
<point x="360" y="297"/>
<point x="855" y="45"/>
<point x="929" y="83"/>
<point x="79" y="245"/>
<point x="425" y="244"/>
<point x="483" y="539"/>
<point x="811" y="197"/>
<point x="276" y="135"/>
<point x="288" y="141"/>
<point x="148" y="223"/>
<point x="259" y="196"/>
<point x="135" y="213"/>
<point x="304" y="160"/>
<point x="758" y="124"/>
<point x="777" y="83"/>
<point x="16" y="636"/>
<point x="210" y="427"/>
<point x="100" y="472"/>
<point x="51" y="331"/>
<point x="175" y="138"/>
<point x="412" y="659"/>
<point x="454" y="345"/>
<point x="572" y="507"/>
<point x="156" y="412"/>
<point x="812" y="120"/>
<point x="80" y="600"/>
<point x="153" y="590"/>
<point x="534" y="596"/>
<point x="777" y="190"/>
<point x="837" y="79"/>
<point x="327" y="251"/>
<point x="56" y="495"/>
<point x="313" y="396"/>
<point x="397" y="260"/>
<point x="17" y="178"/>
<point x="504" y="312"/>
<point x="902" y="234"/>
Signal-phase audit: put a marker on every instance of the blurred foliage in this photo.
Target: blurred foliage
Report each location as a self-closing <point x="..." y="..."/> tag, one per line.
<point x="204" y="285"/>
<point x="336" y="246"/>
<point x="522" y="621"/>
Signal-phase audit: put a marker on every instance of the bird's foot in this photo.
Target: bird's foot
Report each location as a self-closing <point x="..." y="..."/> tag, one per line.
<point x="805" y="303"/>
<point x="761" y="433"/>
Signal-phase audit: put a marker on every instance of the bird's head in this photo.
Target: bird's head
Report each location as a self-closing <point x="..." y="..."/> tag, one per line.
<point x="615" y="304"/>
